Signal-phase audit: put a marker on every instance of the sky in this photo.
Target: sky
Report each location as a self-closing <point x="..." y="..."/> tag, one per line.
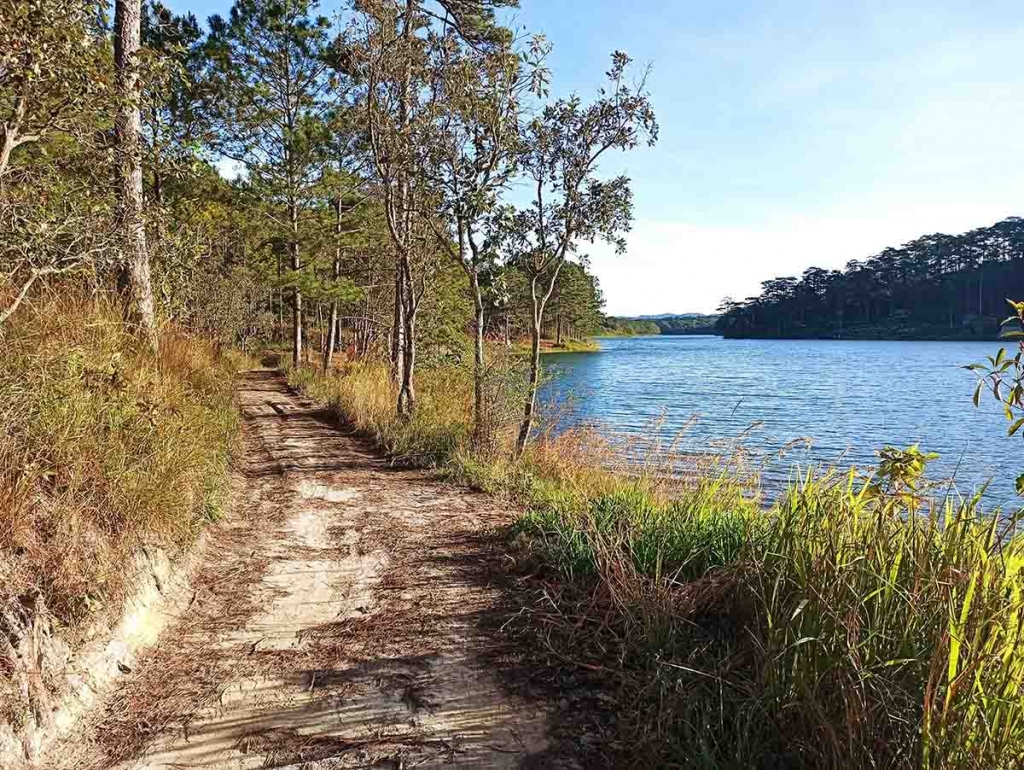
<point x="792" y="133"/>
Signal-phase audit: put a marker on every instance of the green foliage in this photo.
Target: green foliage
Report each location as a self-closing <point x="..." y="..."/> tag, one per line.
<point x="175" y="121"/>
<point x="1003" y="376"/>
<point x="54" y="72"/>
<point x="689" y="323"/>
<point x="900" y="474"/>
<point x="55" y="106"/>
<point x="612" y="326"/>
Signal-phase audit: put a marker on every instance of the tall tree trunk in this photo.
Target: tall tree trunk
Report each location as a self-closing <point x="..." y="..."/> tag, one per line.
<point x="480" y="428"/>
<point x="406" y="387"/>
<point x="332" y="337"/>
<point x="279" y="310"/>
<point x="531" y="397"/>
<point x="405" y="364"/>
<point x="134" y="279"/>
<point x="364" y="339"/>
<point x="293" y="247"/>
<point x="539" y="302"/>
<point x="398" y="328"/>
<point x="332" y="331"/>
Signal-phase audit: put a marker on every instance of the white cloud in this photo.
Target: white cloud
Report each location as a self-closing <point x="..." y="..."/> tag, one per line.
<point x="679" y="267"/>
<point x="229" y="169"/>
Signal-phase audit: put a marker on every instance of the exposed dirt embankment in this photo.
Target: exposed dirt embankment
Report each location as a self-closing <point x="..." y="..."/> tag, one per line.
<point x="342" y="616"/>
<point x="55" y="683"/>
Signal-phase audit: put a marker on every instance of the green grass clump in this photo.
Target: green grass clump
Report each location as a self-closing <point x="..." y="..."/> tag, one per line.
<point x="674" y="538"/>
<point x="890" y="629"/>
<point x="105" y="448"/>
<point x="845" y="627"/>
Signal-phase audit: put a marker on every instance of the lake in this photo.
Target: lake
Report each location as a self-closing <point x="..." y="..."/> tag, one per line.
<point x="849" y="398"/>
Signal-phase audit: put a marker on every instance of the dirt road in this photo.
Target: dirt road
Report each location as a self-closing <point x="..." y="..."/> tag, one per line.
<point x="339" y="619"/>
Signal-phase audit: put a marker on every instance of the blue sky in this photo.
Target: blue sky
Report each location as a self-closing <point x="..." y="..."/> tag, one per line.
<point x="794" y="133"/>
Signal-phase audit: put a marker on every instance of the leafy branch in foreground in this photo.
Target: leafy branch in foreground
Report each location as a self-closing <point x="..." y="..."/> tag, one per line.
<point x="1003" y="376"/>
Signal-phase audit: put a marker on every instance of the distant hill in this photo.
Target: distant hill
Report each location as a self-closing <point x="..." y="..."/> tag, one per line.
<point x="687" y="323"/>
<point x="661" y="316"/>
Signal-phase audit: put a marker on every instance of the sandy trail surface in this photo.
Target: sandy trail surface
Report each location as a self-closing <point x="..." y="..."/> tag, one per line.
<point x="341" y="616"/>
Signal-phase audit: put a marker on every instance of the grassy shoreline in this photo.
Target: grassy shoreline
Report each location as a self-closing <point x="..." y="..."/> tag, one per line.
<point x="589" y="345"/>
<point x="572" y="346"/>
<point x="850" y="624"/>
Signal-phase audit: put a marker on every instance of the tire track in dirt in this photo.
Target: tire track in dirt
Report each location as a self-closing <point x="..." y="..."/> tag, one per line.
<point x="338" y="621"/>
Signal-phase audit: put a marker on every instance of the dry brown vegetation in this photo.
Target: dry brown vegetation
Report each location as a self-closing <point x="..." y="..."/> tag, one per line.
<point x="105" y="448"/>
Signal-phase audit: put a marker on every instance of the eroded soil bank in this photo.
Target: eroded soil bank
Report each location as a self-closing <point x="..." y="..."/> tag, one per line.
<point x="345" y="615"/>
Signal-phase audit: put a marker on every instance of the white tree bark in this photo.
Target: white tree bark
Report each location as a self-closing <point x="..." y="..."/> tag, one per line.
<point x="135" y="275"/>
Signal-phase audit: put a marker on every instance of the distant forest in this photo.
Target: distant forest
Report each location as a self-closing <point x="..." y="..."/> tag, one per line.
<point x="685" y="323"/>
<point x="935" y="287"/>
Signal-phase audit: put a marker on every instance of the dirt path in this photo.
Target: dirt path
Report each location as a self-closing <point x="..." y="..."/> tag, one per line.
<point x="339" y="619"/>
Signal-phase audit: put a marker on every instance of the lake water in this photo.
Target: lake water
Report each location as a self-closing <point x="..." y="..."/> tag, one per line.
<point x="848" y="397"/>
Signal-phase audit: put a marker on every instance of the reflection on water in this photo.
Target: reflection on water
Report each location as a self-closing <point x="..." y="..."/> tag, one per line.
<point x="848" y="398"/>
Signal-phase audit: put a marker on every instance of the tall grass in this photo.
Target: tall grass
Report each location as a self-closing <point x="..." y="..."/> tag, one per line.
<point x="836" y="629"/>
<point x="105" y="448"/>
<point x="363" y="394"/>
<point x="850" y="624"/>
<point x="890" y="636"/>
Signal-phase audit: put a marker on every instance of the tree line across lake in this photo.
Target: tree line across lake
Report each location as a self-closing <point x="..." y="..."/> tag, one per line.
<point x="668" y="323"/>
<point x="935" y="287"/>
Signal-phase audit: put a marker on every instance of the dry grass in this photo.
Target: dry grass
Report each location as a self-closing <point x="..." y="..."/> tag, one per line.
<point x="363" y="394"/>
<point x="106" y="447"/>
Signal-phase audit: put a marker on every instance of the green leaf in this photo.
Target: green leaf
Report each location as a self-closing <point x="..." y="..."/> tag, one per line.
<point x="1020" y="484"/>
<point x="1016" y="426"/>
<point x="977" y="394"/>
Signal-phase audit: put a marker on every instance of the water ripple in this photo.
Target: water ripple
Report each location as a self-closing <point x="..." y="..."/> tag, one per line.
<point x="850" y="397"/>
